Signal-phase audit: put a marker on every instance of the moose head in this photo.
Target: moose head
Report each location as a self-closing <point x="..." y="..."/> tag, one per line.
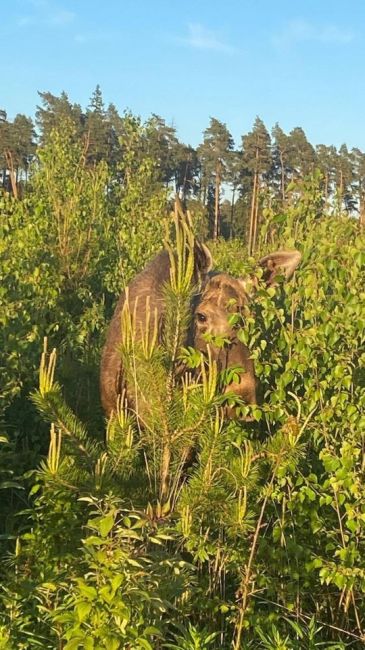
<point x="222" y="296"/>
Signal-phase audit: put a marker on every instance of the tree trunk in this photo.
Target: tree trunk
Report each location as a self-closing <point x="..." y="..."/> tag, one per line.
<point x="282" y="177"/>
<point x="12" y="176"/>
<point x="252" y="215"/>
<point x="253" y="204"/>
<point x="256" y="219"/>
<point x="185" y="181"/>
<point x="216" y="200"/>
<point x="326" y="188"/>
<point x="203" y="190"/>
<point x="232" y="213"/>
<point x="362" y="211"/>
<point x="340" y="193"/>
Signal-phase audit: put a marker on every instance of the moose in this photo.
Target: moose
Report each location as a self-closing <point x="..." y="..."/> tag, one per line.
<point x="220" y="294"/>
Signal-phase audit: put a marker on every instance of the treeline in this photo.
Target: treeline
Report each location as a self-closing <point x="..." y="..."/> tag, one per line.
<point x="255" y="175"/>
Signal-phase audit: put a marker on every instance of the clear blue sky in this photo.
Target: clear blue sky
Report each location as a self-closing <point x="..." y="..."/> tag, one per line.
<point x="301" y="64"/>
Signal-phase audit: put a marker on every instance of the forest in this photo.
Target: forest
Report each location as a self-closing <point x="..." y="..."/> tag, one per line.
<point x="258" y="540"/>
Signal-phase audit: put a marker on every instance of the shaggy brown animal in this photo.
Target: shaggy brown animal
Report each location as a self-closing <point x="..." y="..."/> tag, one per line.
<point x="146" y="288"/>
<point x="221" y="295"/>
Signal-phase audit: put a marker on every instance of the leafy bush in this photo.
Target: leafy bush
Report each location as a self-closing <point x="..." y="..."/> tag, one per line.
<point x="64" y="260"/>
<point x="189" y="531"/>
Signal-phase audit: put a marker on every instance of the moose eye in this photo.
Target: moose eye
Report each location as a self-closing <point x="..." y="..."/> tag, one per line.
<point x="201" y="317"/>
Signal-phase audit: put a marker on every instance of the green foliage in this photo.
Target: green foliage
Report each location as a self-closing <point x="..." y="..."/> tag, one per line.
<point x="120" y="593"/>
<point x="192" y="639"/>
<point x="176" y="528"/>
<point x="64" y="261"/>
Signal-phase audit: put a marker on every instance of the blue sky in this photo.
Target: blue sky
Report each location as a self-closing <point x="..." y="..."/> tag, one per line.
<point x="301" y="64"/>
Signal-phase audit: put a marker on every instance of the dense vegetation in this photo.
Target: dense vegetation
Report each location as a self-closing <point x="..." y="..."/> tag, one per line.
<point x="246" y="534"/>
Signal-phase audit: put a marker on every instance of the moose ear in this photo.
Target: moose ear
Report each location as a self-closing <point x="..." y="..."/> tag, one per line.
<point x="281" y="262"/>
<point x="202" y="258"/>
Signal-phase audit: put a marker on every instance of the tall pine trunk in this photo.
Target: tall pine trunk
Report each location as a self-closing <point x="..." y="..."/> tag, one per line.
<point x="282" y="177"/>
<point x="232" y="213"/>
<point x="12" y="174"/>
<point x="340" y="192"/>
<point x="185" y="182"/>
<point x="216" y="199"/>
<point x="326" y="188"/>
<point x="254" y="208"/>
<point x="256" y="218"/>
<point x="252" y="215"/>
<point x="362" y="210"/>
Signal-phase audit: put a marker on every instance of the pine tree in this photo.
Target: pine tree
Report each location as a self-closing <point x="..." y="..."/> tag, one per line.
<point x="97" y="102"/>
<point x="215" y="154"/>
<point x="326" y="161"/>
<point x="23" y="142"/>
<point x="257" y="162"/>
<point x="4" y="147"/>
<point x="98" y="130"/>
<point x="280" y="154"/>
<point x="52" y="113"/>
<point x="344" y="177"/>
<point x="116" y="123"/>
<point x="162" y="145"/>
<point x="359" y="172"/>
<point x="234" y="172"/>
<point x="302" y="157"/>
<point x="186" y="170"/>
<point x="17" y="148"/>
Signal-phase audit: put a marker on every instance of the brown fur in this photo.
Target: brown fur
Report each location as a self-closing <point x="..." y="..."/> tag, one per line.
<point x="147" y="284"/>
<point x="222" y="294"/>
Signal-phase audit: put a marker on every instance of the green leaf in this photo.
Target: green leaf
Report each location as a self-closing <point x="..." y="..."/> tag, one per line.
<point x="83" y="610"/>
<point x="106" y="524"/>
<point x="117" y="581"/>
<point x="143" y="643"/>
<point x="151" y="630"/>
<point x="74" y="644"/>
<point x="87" y="591"/>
